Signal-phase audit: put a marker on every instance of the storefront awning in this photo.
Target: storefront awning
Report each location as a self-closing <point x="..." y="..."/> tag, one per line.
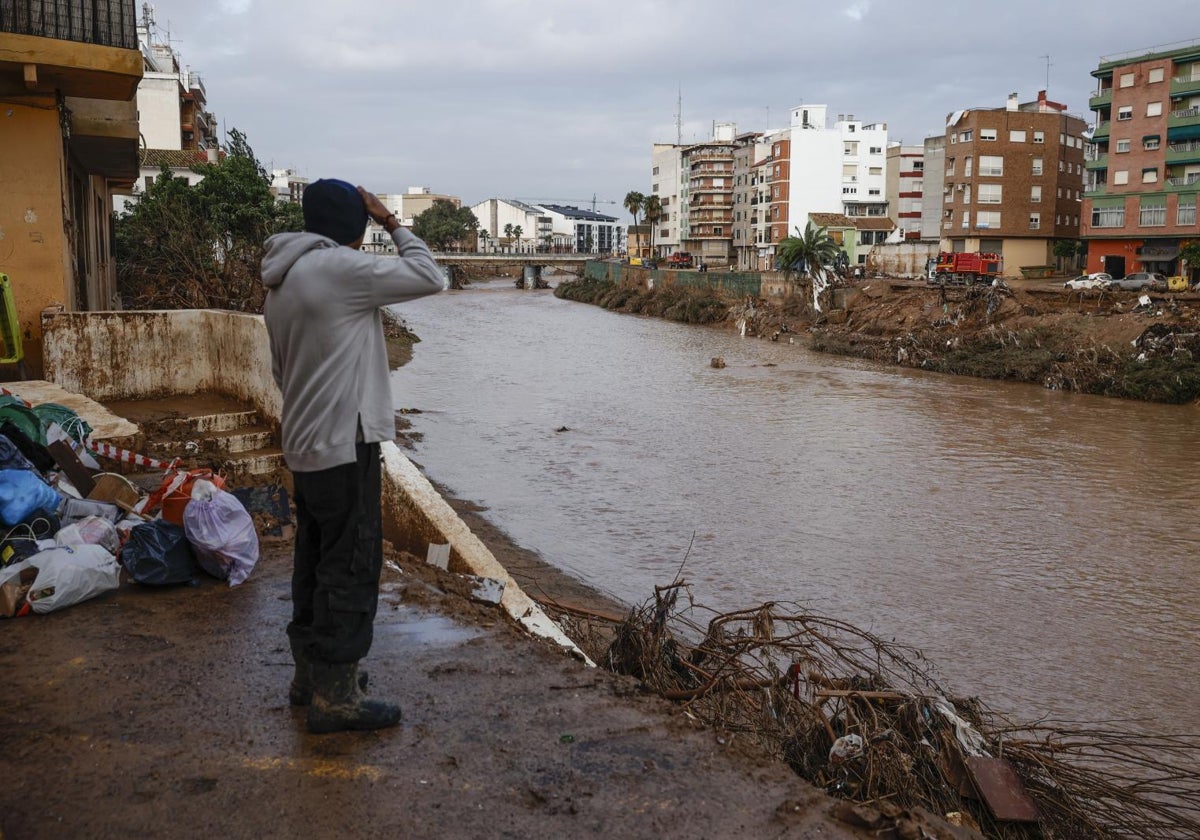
<point x="1159" y="252"/>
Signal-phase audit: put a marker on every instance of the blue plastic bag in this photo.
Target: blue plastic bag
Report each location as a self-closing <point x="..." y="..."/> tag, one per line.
<point x="23" y="492"/>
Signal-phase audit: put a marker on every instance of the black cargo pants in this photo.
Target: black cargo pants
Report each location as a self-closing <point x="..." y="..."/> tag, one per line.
<point x="338" y="557"/>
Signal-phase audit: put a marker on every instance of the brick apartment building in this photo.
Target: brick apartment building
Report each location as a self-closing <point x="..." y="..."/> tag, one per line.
<point x="1013" y="180"/>
<point x="1144" y="161"/>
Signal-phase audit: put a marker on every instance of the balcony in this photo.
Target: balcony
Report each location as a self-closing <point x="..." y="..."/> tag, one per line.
<point x="712" y="155"/>
<point x="1102" y="99"/>
<point x="1188" y="180"/>
<point x="1184" y="85"/>
<point x="1184" y="117"/>
<point x="83" y="48"/>
<point x="711" y="169"/>
<point x="1186" y="152"/>
<point x="1100" y="162"/>
<point x="1102" y="131"/>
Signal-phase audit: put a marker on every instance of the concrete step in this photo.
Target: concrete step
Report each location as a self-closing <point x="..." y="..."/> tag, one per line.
<point x="230" y="442"/>
<point x="254" y="462"/>
<point x="203" y="424"/>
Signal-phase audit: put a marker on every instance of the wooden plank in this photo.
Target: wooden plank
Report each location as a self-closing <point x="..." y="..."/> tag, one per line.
<point x="66" y="458"/>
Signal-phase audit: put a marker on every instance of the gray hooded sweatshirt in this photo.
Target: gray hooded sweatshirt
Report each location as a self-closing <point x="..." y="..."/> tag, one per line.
<point x="327" y="347"/>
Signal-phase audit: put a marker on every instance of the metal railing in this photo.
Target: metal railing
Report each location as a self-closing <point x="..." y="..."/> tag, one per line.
<point x="1186" y="112"/>
<point x="1185" y="181"/>
<point x="1186" y="146"/>
<point x="108" y="23"/>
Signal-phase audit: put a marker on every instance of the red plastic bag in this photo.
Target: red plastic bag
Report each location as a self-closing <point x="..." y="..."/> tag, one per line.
<point x="176" y="491"/>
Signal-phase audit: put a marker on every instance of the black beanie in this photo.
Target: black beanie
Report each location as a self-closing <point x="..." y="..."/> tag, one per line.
<point x="334" y="208"/>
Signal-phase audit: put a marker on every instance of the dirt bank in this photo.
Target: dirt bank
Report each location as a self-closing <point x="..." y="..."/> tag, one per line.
<point x="1095" y="342"/>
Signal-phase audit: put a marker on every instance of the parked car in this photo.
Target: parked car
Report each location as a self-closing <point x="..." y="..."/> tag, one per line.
<point x="1097" y="280"/>
<point x="1140" y="281"/>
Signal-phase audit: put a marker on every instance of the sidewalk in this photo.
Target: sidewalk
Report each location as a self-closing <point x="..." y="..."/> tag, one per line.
<point x="163" y="713"/>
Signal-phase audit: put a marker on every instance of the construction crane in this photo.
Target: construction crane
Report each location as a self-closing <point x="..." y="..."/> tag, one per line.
<point x="593" y="200"/>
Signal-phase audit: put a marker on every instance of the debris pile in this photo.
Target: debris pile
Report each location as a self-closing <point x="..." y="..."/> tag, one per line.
<point x="866" y="720"/>
<point x="69" y="528"/>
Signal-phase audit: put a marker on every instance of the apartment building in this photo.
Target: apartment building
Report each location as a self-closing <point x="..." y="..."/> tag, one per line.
<point x="1144" y="160"/>
<point x="69" y="72"/>
<point x="747" y="216"/>
<point x="1013" y="180"/>
<point x="588" y="232"/>
<point x="495" y="215"/>
<point x="706" y="197"/>
<point x="666" y="178"/>
<point x="934" y="158"/>
<point x="905" y="188"/>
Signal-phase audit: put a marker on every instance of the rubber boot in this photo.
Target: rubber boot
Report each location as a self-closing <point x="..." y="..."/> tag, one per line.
<point x="300" y="691"/>
<point x="338" y="703"/>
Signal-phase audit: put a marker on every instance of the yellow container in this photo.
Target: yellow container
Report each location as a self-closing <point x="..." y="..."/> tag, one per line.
<point x="1177" y="284"/>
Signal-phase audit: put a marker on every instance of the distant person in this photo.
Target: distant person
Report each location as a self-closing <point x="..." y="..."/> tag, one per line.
<point x="328" y="358"/>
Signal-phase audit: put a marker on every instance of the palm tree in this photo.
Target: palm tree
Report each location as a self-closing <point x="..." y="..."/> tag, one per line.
<point x="634" y="202"/>
<point x="485" y="236"/>
<point x="652" y="211"/>
<point x="808" y="253"/>
<point x="517" y="233"/>
<point x="508" y="234"/>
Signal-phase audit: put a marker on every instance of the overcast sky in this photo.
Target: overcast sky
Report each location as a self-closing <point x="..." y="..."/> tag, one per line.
<point x="561" y="99"/>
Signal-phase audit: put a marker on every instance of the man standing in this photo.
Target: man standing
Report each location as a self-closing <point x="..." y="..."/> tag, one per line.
<point x="328" y="357"/>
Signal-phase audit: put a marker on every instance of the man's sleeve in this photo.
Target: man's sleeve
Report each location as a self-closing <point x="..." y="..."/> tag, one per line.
<point x="412" y="275"/>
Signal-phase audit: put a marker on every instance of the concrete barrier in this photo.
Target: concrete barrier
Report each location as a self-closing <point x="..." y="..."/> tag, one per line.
<point x="130" y="355"/>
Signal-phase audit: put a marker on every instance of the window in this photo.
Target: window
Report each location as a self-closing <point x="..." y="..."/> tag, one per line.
<point x="1035" y="194"/>
<point x="1035" y="221"/>
<point x="1150" y="176"/>
<point x="849" y="190"/>
<point x="967" y="135"/>
<point x="1150" y="143"/>
<point x="991" y="165"/>
<point x="1121" y="176"/>
<point x="966" y="193"/>
<point x="953" y="139"/>
<point x="918" y="166"/>
<point x="1153" y="109"/>
<point x="1153" y="216"/>
<point x="1039" y="137"/>
<point x="718" y="230"/>
<point x="876" y="170"/>
<point x="1062" y="139"/>
<point x="1122" y="146"/>
<point x="1108" y="217"/>
<point x="987" y="134"/>
<point x="775" y="192"/>
<point x="850" y="172"/>
<point x="950" y="166"/>
<point x="966" y="218"/>
<point x="989" y="219"/>
<point x="1156" y="75"/>
<point x="1015" y="136"/>
<point x="1126" y="80"/>
<point x="654" y="188"/>
<point x="1037" y="166"/>
<point x="1186" y="215"/>
<point x="967" y="166"/>
<point x="990" y="193"/>
<point x="872" y="192"/>
<point x="775" y="150"/>
<point x="850" y="149"/>
<point x="876" y="150"/>
<point x="655" y="172"/>
<point x="1125" y="112"/>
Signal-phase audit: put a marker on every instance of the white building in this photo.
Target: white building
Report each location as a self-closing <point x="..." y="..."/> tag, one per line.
<point x="905" y="188"/>
<point x="586" y="231"/>
<point x="498" y="215"/>
<point x="666" y="183"/>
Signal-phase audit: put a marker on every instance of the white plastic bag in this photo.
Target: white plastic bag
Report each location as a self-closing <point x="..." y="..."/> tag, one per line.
<point x="222" y="534"/>
<point x="70" y="574"/>
<point x="92" y="530"/>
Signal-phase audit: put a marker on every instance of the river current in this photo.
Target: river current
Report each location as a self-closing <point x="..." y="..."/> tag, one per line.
<point x="1039" y="547"/>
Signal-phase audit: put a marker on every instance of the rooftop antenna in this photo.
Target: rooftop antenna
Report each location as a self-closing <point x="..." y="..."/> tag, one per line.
<point x="1048" y="66"/>
<point x="679" y="118"/>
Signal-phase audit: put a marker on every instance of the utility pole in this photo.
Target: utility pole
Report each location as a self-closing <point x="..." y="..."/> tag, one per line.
<point x="678" y="119"/>
<point x="1048" y="66"/>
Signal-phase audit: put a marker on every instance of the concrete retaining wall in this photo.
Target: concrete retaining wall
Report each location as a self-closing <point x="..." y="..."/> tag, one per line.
<point x="129" y="355"/>
<point x="736" y="283"/>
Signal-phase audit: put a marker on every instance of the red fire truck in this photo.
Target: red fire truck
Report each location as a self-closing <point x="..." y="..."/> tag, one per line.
<point x="970" y="267"/>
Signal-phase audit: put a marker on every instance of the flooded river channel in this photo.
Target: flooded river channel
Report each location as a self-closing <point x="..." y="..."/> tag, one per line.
<point x="1039" y="547"/>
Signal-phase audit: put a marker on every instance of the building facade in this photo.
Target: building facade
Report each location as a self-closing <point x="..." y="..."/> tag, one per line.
<point x="906" y="188"/>
<point x="1144" y="161"/>
<point x="666" y="178"/>
<point x="1013" y="180"/>
<point x="706" y="197"/>
<point x="934" y="187"/>
<point x="590" y="232"/>
<point x="69" y="73"/>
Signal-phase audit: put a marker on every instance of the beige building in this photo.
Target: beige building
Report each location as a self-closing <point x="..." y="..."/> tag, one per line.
<point x="1013" y="180"/>
<point x="69" y="72"/>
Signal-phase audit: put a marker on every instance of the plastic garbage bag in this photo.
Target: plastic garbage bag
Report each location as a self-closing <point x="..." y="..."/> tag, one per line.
<point x="158" y="554"/>
<point x="23" y="492"/>
<point x="70" y="574"/>
<point x="222" y="533"/>
<point x="92" y="530"/>
<point x="75" y="510"/>
<point x="11" y="458"/>
<point x="67" y="418"/>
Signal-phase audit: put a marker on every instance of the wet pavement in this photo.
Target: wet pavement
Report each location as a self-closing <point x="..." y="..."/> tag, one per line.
<point x="163" y="713"/>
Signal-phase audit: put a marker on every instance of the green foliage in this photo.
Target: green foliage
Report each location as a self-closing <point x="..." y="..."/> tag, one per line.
<point x="634" y="202"/>
<point x="683" y="304"/>
<point x="814" y="249"/>
<point x="652" y="211"/>
<point x="1066" y="249"/>
<point x="444" y="225"/>
<point x="183" y="247"/>
<point x="1190" y="251"/>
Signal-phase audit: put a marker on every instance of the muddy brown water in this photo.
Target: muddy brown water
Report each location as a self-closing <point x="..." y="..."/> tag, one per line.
<point x="1040" y="547"/>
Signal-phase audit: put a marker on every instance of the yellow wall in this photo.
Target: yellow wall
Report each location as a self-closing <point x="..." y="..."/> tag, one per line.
<point x="1025" y="252"/>
<point x="33" y="247"/>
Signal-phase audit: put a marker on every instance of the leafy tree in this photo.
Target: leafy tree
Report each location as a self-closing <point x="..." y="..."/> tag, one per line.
<point x="652" y="211"/>
<point x="808" y="253"/>
<point x="1190" y="251"/>
<point x="1066" y="249"/>
<point x="200" y="246"/>
<point x="443" y="225"/>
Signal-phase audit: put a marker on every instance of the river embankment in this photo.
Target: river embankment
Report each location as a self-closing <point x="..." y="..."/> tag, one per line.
<point x="1119" y="344"/>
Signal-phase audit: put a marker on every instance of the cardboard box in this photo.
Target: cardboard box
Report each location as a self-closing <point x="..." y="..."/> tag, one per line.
<point x="13" y="591"/>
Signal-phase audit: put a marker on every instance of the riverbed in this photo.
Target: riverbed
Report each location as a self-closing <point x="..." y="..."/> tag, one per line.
<point x="1040" y="547"/>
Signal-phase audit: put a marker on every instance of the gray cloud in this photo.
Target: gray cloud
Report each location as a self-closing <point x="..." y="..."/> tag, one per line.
<point x="557" y="99"/>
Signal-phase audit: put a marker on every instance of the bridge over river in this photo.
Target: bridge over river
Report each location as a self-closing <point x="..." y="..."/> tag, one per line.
<point x="493" y="264"/>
